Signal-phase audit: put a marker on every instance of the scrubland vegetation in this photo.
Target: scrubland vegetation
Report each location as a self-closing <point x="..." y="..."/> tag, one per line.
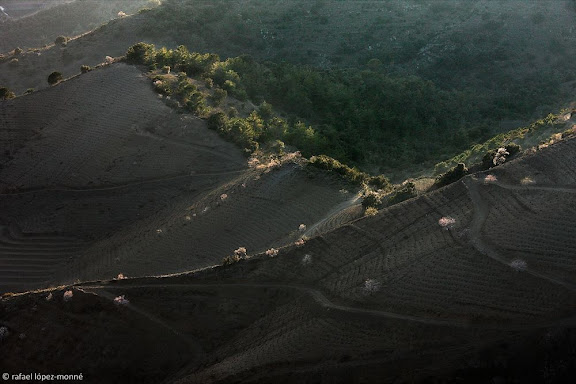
<point x="366" y="118"/>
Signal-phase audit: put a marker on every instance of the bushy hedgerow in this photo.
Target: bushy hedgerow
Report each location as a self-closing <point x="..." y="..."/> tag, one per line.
<point x="353" y="175"/>
<point x="455" y="174"/>
<point x="483" y="153"/>
<point x="488" y="160"/>
<point x="141" y="54"/>
<point x="372" y="199"/>
<point x="404" y="192"/>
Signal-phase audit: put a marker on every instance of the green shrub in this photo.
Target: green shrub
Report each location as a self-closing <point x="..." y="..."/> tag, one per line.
<point x="380" y="182"/>
<point x="61" y="40"/>
<point x="6" y="94"/>
<point x="370" y="211"/>
<point x="278" y="147"/>
<point x="232" y="112"/>
<point x="352" y="175"/>
<point x="569" y="132"/>
<point x="218" y="96"/>
<point x="372" y="199"/>
<point x="513" y="149"/>
<point x="141" y="53"/>
<point x="54" y="78"/>
<point x="85" y="68"/>
<point x="453" y="175"/>
<point x="231" y="259"/>
<point x="405" y="192"/>
<point x="265" y="111"/>
<point x="217" y="122"/>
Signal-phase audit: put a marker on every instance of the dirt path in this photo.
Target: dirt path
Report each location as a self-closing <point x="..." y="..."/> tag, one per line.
<point x="481" y="210"/>
<point x="195" y="346"/>
<point x="325" y="302"/>
<point x="318" y="296"/>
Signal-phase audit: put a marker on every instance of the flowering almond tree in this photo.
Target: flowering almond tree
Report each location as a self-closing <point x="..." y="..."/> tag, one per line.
<point x="490" y="179"/>
<point x="121" y="300"/>
<point x="68" y="295"/>
<point x="500" y="156"/>
<point x="371" y="286"/>
<point x="518" y="265"/>
<point x="272" y="252"/>
<point x="447" y="222"/>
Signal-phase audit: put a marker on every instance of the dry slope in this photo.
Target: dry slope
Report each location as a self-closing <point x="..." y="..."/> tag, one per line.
<point x="394" y="297"/>
<point x="123" y="184"/>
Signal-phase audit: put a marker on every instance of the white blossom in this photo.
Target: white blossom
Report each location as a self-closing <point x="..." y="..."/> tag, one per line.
<point x="272" y="252"/>
<point x="447" y="222"/>
<point x="490" y="179"/>
<point x="518" y="265"/>
<point x="240" y="252"/>
<point x="371" y="286"/>
<point x="500" y="156"/>
<point x="68" y="295"/>
<point x="4" y="333"/>
<point x="121" y="300"/>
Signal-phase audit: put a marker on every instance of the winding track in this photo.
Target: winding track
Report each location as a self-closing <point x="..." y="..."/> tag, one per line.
<point x="197" y="348"/>
<point x="481" y="209"/>
<point x="321" y="299"/>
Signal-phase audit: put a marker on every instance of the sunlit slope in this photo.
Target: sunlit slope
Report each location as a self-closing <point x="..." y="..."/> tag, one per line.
<point x="58" y="18"/>
<point x="17" y="8"/>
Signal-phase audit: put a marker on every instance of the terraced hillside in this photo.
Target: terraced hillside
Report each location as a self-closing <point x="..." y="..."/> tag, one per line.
<point x="36" y="24"/>
<point x="473" y="281"/>
<point x="136" y="187"/>
<point x="18" y="8"/>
